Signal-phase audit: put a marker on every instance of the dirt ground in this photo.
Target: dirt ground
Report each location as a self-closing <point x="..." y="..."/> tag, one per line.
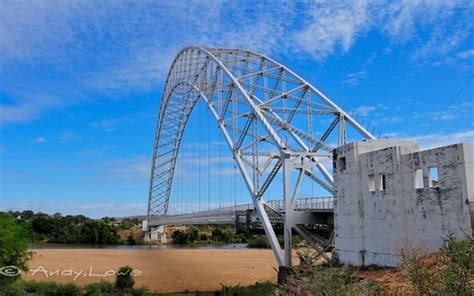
<point x="158" y="270"/>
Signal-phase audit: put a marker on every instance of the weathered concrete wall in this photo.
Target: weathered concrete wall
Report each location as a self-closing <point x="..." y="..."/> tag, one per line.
<point x="379" y="210"/>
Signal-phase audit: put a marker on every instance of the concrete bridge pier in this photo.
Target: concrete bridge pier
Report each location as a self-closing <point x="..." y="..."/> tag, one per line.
<point x="156" y="234"/>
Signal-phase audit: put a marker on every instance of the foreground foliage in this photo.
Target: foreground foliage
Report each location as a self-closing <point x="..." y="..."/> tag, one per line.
<point x="54" y="289"/>
<point x="329" y="280"/>
<point x="13" y="248"/>
<point x="124" y="283"/>
<point x="451" y="272"/>
<point x="20" y="287"/>
<point x="124" y="279"/>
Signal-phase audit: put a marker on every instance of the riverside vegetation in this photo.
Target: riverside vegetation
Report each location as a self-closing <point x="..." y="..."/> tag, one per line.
<point x="221" y="234"/>
<point x="70" y="229"/>
<point x="449" y="272"/>
<point x="79" y="229"/>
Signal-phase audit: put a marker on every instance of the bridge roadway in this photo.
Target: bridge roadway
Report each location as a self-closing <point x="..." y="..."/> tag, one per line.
<point x="307" y="211"/>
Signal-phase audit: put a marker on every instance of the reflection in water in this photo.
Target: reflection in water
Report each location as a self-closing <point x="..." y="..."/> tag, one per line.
<point x="36" y="246"/>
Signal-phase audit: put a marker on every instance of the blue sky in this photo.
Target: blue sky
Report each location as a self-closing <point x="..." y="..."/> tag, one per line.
<point x="81" y="82"/>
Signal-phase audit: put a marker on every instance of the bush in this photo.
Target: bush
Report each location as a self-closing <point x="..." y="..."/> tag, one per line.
<point x="131" y="240"/>
<point x="14" y="250"/>
<point x="69" y="290"/>
<point x="308" y="279"/>
<point x="179" y="237"/>
<point x="97" y="289"/>
<point x="258" y="242"/>
<point x="102" y="288"/>
<point x="420" y="274"/>
<point x="449" y="273"/>
<point x="124" y="280"/>
<point x="456" y="265"/>
<point x="260" y="289"/>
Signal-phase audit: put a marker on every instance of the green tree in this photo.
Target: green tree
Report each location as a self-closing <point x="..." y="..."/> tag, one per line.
<point x="179" y="237"/>
<point x="26" y="215"/>
<point x="193" y="234"/>
<point x="13" y="248"/>
<point x="43" y="224"/>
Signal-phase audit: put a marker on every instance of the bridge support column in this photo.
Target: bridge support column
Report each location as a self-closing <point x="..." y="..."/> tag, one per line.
<point x="288" y="226"/>
<point x="283" y="275"/>
<point x="300" y="162"/>
<point x="156" y="234"/>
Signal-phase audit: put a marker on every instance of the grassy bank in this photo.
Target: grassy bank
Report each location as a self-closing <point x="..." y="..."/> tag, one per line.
<point x="21" y="287"/>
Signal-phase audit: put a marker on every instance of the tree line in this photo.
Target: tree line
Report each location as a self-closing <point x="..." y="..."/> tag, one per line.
<point x="70" y="229"/>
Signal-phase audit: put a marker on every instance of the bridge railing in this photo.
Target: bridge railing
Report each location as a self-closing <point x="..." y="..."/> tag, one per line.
<point x="305" y="204"/>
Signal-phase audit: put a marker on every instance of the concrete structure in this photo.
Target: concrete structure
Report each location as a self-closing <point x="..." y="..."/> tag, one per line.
<point x="390" y="196"/>
<point x="157" y="234"/>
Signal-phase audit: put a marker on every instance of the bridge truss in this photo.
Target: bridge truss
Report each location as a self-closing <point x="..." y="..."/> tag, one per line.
<point x="273" y="121"/>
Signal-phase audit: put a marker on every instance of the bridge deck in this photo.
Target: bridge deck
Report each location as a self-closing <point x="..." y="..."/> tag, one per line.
<point x="228" y="214"/>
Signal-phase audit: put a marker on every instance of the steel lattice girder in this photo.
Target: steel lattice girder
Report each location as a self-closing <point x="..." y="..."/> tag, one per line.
<point x="262" y="108"/>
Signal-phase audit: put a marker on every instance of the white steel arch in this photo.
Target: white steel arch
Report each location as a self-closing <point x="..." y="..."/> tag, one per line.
<point x="267" y="115"/>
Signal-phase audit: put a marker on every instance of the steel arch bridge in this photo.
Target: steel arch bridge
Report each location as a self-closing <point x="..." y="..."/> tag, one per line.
<point x="268" y="116"/>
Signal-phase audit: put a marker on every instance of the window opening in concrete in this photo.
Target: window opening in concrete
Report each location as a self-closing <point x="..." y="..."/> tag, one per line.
<point x="419" y="179"/>
<point x="382" y="183"/>
<point x="342" y="164"/>
<point x="371" y="183"/>
<point x="433" y="177"/>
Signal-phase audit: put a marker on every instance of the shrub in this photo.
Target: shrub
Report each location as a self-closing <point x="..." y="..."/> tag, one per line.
<point x="131" y="240"/>
<point x="258" y="242"/>
<point x="419" y="273"/>
<point x="101" y="288"/>
<point x="456" y="265"/>
<point x="124" y="278"/>
<point x="308" y="279"/>
<point x="68" y="290"/>
<point x="449" y="273"/>
<point x="179" y="237"/>
<point x="260" y="289"/>
<point x="13" y="248"/>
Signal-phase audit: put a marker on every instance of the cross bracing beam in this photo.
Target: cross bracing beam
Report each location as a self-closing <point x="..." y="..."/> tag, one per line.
<point x="262" y="109"/>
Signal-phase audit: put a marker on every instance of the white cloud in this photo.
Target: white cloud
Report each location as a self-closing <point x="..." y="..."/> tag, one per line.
<point x="107" y="125"/>
<point x="126" y="169"/>
<point x="38" y="140"/>
<point x="463" y="109"/>
<point x="438" y="139"/>
<point x="391" y="119"/>
<point x="113" y="47"/>
<point x="354" y="79"/>
<point x="466" y="54"/>
<point x="28" y="105"/>
<point x="364" y="110"/>
<point x="333" y="27"/>
<point x="93" y="210"/>
<point x="68" y="137"/>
